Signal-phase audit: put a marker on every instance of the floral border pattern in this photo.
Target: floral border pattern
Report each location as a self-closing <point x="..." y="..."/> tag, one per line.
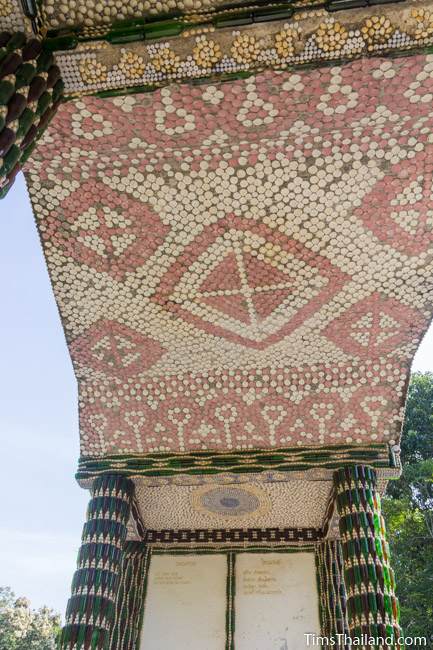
<point x="312" y="37"/>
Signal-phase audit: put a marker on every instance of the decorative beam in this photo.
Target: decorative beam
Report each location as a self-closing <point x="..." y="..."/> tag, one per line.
<point x="278" y="459"/>
<point x="221" y="46"/>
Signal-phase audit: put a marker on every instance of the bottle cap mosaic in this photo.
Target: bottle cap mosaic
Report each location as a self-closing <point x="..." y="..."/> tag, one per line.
<point x="243" y="266"/>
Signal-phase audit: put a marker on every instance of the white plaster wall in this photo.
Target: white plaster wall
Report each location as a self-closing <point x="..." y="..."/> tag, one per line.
<point x="185" y="606"/>
<point x="276" y="601"/>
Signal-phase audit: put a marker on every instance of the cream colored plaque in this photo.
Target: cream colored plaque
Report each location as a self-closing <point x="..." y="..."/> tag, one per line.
<point x="276" y="601"/>
<point x="185" y="606"/>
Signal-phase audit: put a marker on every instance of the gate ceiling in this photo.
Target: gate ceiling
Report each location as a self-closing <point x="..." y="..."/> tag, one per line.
<point x="243" y="265"/>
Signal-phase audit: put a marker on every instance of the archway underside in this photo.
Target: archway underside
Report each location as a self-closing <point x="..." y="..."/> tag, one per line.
<point x="239" y="267"/>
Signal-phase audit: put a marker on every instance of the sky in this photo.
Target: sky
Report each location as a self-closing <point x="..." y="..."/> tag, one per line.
<point x="43" y="508"/>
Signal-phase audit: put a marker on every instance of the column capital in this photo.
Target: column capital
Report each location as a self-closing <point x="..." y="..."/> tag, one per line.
<point x="351" y="474"/>
<point x="113" y="484"/>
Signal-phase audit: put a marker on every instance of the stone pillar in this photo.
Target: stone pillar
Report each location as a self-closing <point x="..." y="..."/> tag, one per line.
<point x="372" y="606"/>
<point x="91" y="609"/>
<point x="30" y="92"/>
<point x="332" y="591"/>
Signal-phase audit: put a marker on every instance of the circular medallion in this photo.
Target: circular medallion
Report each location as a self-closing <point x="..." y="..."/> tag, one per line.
<point x="231" y="501"/>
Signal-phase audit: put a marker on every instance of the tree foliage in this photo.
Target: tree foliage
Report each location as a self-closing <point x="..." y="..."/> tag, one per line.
<point x="408" y="511"/>
<point x="417" y="440"/>
<point x="22" y="628"/>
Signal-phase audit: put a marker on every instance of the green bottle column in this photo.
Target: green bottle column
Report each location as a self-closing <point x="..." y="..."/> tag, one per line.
<point x="130" y="598"/>
<point x="332" y="591"/>
<point x="91" y="609"/>
<point x="372" y="607"/>
<point x="30" y="92"/>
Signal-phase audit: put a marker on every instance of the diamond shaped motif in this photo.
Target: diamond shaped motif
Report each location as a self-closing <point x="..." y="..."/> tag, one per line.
<point x="373" y="326"/>
<point x="110" y="232"/>
<point x="406" y="220"/>
<point x="116" y="350"/>
<point x="246" y="283"/>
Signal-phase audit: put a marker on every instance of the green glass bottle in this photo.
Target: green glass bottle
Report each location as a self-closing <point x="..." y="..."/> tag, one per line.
<point x="378" y="545"/>
<point x="7" y="90"/>
<point x="372" y="604"/>
<point x="16" y="41"/>
<point x="10" y="160"/>
<point x="44" y="62"/>
<point x="24" y="75"/>
<point x="43" y="103"/>
<point x="357" y="574"/>
<point x="9" y="64"/>
<point x="7" y="139"/>
<point x="372" y="571"/>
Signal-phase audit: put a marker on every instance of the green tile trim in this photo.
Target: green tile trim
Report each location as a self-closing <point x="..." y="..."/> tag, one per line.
<point x="166" y="26"/>
<point x="239" y="462"/>
<point x="230" y="604"/>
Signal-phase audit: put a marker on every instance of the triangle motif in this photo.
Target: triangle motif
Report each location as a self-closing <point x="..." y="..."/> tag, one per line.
<point x="233" y="306"/>
<point x="266" y="302"/>
<point x="389" y="327"/>
<point x="409" y="220"/>
<point x="262" y="274"/>
<point x="361" y="330"/>
<point x="411" y="193"/>
<point x="121" y="242"/>
<point x="224" y="277"/>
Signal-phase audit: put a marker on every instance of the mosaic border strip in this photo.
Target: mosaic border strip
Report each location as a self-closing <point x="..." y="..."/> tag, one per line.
<point x="170" y="21"/>
<point x="230" y="596"/>
<point x="332" y="590"/>
<point x="198" y="550"/>
<point x="205" y="53"/>
<point x="226" y="478"/>
<point x="129" y="600"/>
<point x="162" y="24"/>
<point x="206" y="463"/>
<point x="167" y="20"/>
<point x="233" y="536"/>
